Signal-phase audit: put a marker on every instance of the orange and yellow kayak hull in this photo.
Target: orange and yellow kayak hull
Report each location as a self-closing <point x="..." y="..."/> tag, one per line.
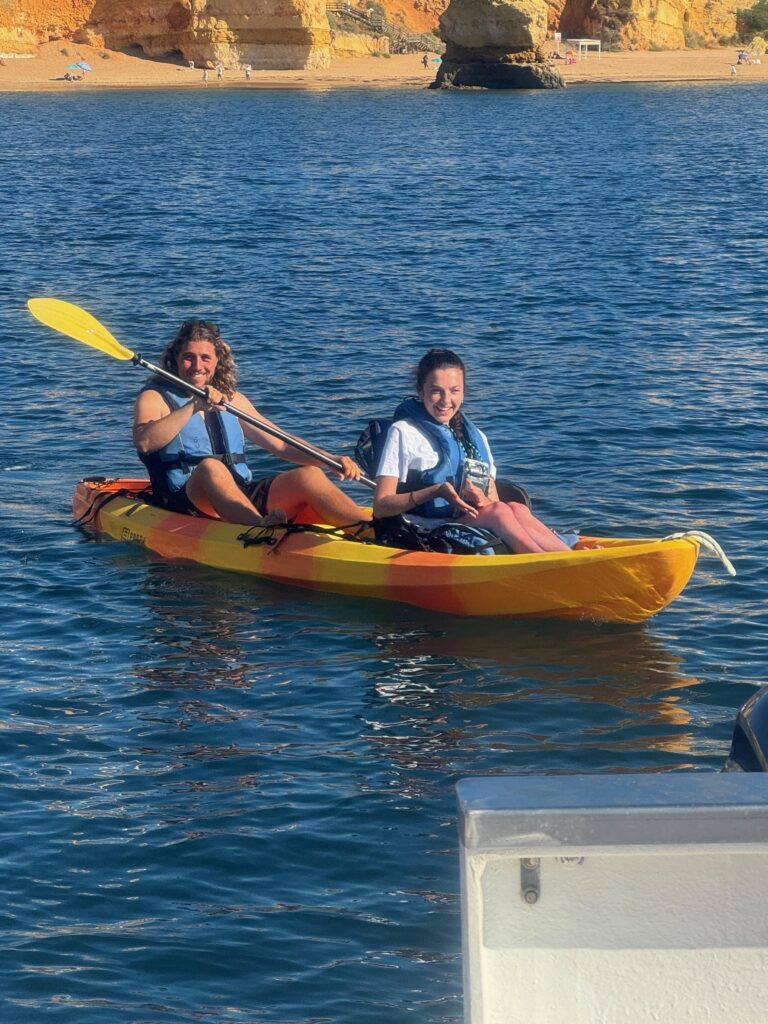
<point x="622" y="580"/>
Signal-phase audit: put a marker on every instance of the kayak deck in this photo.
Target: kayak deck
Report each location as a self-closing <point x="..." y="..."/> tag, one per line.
<point x="621" y="580"/>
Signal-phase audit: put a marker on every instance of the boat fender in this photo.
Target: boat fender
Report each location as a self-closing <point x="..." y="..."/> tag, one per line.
<point x="749" y="747"/>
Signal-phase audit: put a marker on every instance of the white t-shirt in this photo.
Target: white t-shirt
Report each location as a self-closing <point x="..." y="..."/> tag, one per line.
<point x="406" y="447"/>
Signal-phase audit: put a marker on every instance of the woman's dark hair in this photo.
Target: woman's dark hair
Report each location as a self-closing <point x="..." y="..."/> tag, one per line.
<point x="225" y="378"/>
<point x="437" y="359"/>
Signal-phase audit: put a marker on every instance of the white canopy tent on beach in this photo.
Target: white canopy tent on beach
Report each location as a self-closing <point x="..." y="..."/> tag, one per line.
<point x="583" y="46"/>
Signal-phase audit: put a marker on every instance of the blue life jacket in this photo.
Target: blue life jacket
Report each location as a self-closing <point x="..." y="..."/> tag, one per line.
<point x="450" y="461"/>
<point x="218" y="435"/>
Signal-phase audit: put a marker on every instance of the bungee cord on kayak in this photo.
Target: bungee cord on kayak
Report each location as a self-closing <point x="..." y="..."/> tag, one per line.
<point x="267" y="534"/>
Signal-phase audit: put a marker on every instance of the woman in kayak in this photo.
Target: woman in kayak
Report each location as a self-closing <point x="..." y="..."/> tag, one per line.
<point x="194" y="448"/>
<point x="437" y="466"/>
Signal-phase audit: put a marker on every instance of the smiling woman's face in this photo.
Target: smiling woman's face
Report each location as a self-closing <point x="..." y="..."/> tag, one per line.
<point x="443" y="393"/>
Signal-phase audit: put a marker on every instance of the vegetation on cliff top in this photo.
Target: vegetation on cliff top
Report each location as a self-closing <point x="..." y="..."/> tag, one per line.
<point x="753" y="20"/>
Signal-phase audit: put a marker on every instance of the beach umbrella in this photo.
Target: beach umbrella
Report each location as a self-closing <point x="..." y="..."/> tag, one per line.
<point x="73" y="67"/>
<point x="85" y="66"/>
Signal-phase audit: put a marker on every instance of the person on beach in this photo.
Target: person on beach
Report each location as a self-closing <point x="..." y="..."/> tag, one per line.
<point x="248" y="70"/>
<point x="436" y="465"/>
<point x="425" y="61"/>
<point x="205" y="74"/>
<point x="219" y="71"/>
<point x="194" y="448"/>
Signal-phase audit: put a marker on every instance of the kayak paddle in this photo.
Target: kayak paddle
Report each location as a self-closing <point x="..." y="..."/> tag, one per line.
<point x="77" y="323"/>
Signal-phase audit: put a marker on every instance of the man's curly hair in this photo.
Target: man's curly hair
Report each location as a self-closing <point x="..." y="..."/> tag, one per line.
<point x="225" y="378"/>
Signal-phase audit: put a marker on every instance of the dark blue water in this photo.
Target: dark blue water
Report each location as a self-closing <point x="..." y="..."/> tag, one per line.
<point x="224" y="801"/>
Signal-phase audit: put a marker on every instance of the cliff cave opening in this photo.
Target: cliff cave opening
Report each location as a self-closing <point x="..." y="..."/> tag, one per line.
<point x="169" y="57"/>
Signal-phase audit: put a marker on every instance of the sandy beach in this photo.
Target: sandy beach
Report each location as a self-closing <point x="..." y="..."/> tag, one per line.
<point x="114" y="70"/>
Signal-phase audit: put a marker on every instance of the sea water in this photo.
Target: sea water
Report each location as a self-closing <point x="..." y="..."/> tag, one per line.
<point x="229" y="801"/>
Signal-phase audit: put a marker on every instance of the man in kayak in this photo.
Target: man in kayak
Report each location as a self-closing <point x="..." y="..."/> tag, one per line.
<point x="194" y="448"/>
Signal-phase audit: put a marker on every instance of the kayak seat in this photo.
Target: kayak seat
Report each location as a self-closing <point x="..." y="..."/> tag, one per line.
<point x="370" y="445"/>
<point x="509" y="491"/>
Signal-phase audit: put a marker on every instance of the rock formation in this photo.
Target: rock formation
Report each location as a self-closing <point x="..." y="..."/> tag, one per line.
<point x="25" y="23"/>
<point x="638" y="24"/>
<point x="496" y="44"/>
<point x="267" y="34"/>
<point x="641" y="24"/>
<point x="347" y="44"/>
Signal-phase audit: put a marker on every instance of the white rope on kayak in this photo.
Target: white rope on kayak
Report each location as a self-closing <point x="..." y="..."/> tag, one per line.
<point x="708" y="543"/>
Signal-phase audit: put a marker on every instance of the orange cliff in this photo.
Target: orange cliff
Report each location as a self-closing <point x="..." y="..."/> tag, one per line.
<point x="646" y="24"/>
<point x="269" y="34"/>
<point x="26" y="23"/>
<point x="274" y="34"/>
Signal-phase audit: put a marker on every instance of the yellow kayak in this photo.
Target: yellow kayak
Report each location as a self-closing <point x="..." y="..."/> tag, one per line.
<point x="602" y="579"/>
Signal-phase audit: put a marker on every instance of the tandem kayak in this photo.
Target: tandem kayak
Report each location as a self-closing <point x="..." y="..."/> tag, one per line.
<point x="602" y="579"/>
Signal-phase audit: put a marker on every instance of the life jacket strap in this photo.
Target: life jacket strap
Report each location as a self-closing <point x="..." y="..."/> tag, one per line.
<point x="183" y="460"/>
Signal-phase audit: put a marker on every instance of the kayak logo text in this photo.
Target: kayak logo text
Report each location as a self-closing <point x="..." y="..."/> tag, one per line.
<point x="127" y="534"/>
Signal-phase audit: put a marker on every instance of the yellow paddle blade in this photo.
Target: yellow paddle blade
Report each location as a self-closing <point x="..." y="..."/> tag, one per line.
<point x="78" y="324"/>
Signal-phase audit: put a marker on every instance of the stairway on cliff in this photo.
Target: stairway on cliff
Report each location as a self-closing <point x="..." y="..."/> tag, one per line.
<point x="379" y="19"/>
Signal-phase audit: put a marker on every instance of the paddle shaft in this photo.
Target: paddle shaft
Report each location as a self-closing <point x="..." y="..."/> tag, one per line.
<point x="247" y="418"/>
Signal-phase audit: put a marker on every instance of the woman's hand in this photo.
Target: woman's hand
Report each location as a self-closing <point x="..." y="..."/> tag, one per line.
<point x="448" y="491"/>
<point x="349" y="469"/>
<point x="474" y="495"/>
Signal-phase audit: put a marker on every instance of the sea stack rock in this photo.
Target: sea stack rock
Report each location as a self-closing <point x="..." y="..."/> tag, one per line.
<point x="496" y="44"/>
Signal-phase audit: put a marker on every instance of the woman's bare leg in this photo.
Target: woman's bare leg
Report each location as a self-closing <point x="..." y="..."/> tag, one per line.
<point x="538" y="530"/>
<point x="524" y="534"/>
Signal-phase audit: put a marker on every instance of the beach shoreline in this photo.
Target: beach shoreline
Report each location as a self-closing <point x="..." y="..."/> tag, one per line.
<point x="117" y="70"/>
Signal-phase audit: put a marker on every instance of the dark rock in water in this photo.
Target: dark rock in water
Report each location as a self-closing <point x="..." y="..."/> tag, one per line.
<point x="496" y="44"/>
<point x="490" y="74"/>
